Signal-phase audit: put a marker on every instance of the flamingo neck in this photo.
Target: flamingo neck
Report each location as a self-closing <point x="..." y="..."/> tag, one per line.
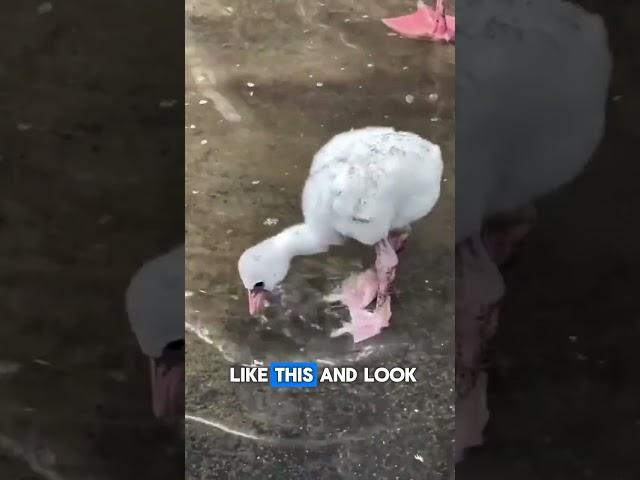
<point x="300" y="240"/>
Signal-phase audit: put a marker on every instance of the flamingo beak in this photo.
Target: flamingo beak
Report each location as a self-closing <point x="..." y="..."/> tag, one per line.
<point x="258" y="300"/>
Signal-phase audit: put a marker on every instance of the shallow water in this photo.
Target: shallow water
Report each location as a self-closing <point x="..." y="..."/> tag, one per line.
<point x="278" y="82"/>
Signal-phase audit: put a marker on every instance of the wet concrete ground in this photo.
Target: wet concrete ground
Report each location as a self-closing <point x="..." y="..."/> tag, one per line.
<point x="266" y="87"/>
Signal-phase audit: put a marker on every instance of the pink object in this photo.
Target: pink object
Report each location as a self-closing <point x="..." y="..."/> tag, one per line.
<point x="167" y="389"/>
<point x="359" y="291"/>
<point x="479" y="291"/>
<point x="369" y="324"/>
<point x="427" y="23"/>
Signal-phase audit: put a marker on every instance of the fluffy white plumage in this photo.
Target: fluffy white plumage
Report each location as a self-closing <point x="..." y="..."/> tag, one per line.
<point x="362" y="184"/>
<point x="532" y="81"/>
<point x="365" y="183"/>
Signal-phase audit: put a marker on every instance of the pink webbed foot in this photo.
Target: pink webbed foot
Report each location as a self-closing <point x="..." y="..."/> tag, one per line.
<point x="427" y="23"/>
<point x="358" y="291"/>
<point x="366" y="324"/>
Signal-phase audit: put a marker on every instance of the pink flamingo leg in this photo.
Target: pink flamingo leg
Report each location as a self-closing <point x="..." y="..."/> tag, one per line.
<point x="167" y="390"/>
<point x="479" y="291"/>
<point x="359" y="291"/>
<point x="386" y="262"/>
<point x="398" y="239"/>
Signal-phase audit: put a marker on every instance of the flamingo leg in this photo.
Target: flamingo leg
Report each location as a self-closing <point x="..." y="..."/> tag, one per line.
<point x="167" y="387"/>
<point x="398" y="239"/>
<point x="387" y="251"/>
<point x="386" y="262"/>
<point x="362" y="290"/>
<point x="359" y="292"/>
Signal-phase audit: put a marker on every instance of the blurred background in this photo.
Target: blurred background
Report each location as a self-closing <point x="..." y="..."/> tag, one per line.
<point x="564" y="390"/>
<point x="91" y="187"/>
